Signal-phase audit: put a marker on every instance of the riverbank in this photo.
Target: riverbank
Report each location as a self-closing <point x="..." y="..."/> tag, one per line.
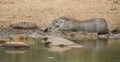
<point x="38" y="33"/>
<point x="44" y="11"/>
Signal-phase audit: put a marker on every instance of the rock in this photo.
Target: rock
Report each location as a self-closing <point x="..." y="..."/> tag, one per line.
<point x="20" y="37"/>
<point x="24" y="25"/>
<point x="61" y="42"/>
<point x="2" y="41"/>
<point x="15" y="45"/>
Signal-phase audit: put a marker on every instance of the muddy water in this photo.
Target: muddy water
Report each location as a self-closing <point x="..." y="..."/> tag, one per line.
<point x="100" y="50"/>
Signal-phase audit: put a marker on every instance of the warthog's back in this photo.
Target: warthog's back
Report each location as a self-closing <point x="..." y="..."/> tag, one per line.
<point x="95" y="25"/>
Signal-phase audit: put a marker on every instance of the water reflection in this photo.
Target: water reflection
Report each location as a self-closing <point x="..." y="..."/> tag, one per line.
<point x="15" y="51"/>
<point x="58" y="49"/>
<point x="96" y="44"/>
<point x="96" y="51"/>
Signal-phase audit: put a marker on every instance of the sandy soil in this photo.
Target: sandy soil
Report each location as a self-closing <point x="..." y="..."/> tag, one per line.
<point x="44" y="11"/>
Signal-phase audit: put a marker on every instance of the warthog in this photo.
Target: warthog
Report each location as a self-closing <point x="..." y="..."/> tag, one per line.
<point x="98" y="25"/>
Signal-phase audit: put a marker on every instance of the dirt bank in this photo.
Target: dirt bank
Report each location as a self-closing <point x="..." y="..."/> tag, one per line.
<point x="44" y="11"/>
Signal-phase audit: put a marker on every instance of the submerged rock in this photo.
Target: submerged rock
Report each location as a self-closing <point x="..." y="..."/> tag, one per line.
<point x="24" y="25"/>
<point x="15" y="45"/>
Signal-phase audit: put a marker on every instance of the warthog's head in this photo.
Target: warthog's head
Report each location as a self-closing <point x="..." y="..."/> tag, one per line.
<point x="60" y="22"/>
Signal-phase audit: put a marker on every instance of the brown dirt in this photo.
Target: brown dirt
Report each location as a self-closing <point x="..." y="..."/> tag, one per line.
<point x="44" y="11"/>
